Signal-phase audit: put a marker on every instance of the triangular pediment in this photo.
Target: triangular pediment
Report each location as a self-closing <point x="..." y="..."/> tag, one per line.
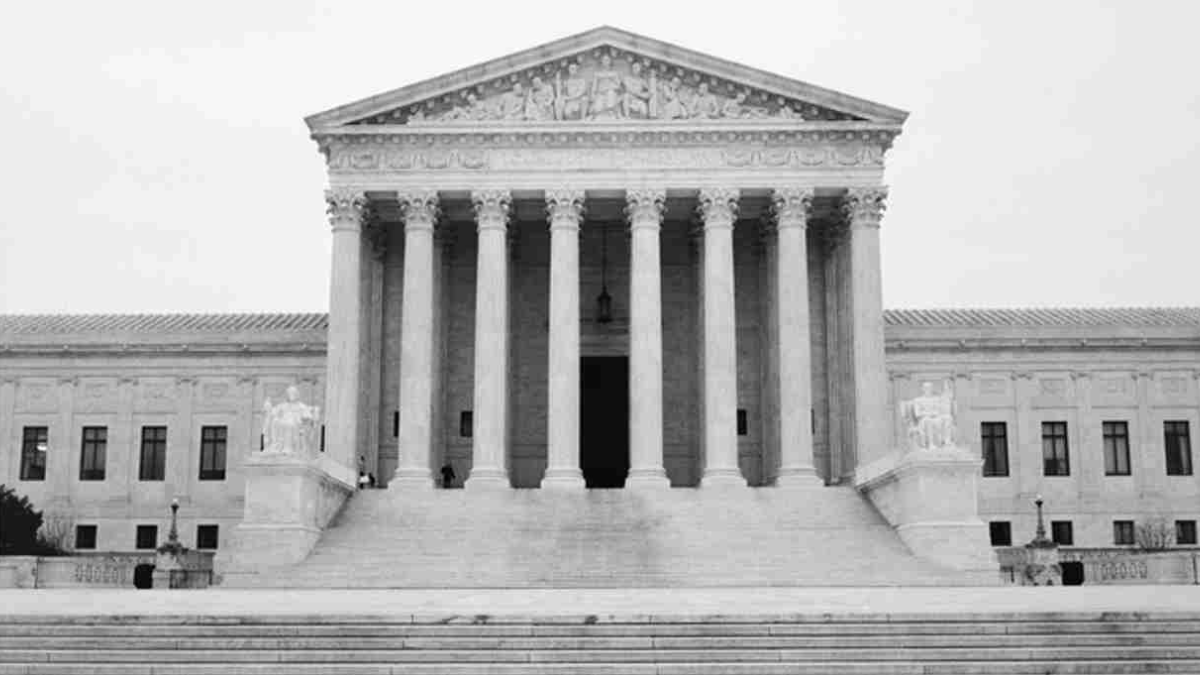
<point x="605" y="75"/>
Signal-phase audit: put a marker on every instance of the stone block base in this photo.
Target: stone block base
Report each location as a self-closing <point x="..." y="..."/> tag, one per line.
<point x="289" y="501"/>
<point x="930" y="497"/>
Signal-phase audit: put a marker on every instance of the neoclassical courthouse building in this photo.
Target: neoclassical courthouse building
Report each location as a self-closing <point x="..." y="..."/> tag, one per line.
<point x="607" y="262"/>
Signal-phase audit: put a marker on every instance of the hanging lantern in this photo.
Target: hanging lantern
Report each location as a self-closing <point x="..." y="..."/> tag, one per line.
<point x="604" y="300"/>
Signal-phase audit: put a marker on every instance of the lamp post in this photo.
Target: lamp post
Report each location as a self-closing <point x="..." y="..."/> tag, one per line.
<point x="172" y="545"/>
<point x="1040" y="535"/>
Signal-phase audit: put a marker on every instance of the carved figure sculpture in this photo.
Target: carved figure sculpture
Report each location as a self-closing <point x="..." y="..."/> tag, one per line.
<point x="671" y="106"/>
<point x="705" y="105"/>
<point x="930" y="418"/>
<point x="606" y="91"/>
<point x="734" y="108"/>
<point x="512" y="103"/>
<point x="289" y="428"/>
<point x="637" y="103"/>
<point x="540" y="105"/>
<point x="572" y="95"/>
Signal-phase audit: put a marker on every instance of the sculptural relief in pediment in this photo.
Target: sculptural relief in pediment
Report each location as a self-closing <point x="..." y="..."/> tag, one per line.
<point x="604" y="85"/>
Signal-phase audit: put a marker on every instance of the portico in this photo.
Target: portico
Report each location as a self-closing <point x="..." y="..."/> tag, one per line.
<point x="734" y="217"/>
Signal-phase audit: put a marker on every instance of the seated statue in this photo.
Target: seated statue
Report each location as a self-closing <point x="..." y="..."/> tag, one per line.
<point x="290" y="427"/>
<point x="930" y="418"/>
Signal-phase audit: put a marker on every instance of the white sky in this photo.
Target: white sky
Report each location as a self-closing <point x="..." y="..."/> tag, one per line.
<point x="155" y="158"/>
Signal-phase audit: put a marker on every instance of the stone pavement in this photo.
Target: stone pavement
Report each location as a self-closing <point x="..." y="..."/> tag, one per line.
<point x="642" y="604"/>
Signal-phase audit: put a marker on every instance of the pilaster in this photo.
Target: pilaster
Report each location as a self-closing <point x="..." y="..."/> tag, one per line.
<point x="62" y="458"/>
<point x="718" y="209"/>
<point x="10" y="455"/>
<point x="183" y="460"/>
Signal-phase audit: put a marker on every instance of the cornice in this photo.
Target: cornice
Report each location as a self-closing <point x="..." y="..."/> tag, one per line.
<point x="1058" y="344"/>
<point x="175" y="349"/>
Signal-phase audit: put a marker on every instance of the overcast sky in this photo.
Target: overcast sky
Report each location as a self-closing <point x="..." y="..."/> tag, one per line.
<point x="155" y="157"/>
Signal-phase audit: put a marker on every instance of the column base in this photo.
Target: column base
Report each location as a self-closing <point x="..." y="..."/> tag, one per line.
<point x="487" y="480"/>
<point x="563" y="479"/>
<point x="653" y="477"/>
<point x="722" y="478"/>
<point x="411" y="478"/>
<point x="798" y="477"/>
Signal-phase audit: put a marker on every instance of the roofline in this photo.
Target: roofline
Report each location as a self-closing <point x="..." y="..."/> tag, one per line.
<point x="590" y="39"/>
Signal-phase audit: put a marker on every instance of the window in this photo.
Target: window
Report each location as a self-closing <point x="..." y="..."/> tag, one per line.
<point x="322" y="438"/>
<point x="396" y="424"/>
<point x="1179" y="448"/>
<point x="212" y="453"/>
<point x="1062" y="533"/>
<point x="1185" y="533"/>
<point x="154" y="454"/>
<point x="742" y="426"/>
<point x="1123" y="532"/>
<point x="466" y="423"/>
<point x="1055" y="461"/>
<point x="34" y="445"/>
<point x="206" y="536"/>
<point x="1001" y="533"/>
<point x="1116" y="448"/>
<point x="85" y="537"/>
<point x="994" y="441"/>
<point x="147" y="536"/>
<point x="91" y="455"/>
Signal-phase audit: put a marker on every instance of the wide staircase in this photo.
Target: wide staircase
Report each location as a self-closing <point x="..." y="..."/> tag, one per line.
<point x="819" y="536"/>
<point x="732" y="645"/>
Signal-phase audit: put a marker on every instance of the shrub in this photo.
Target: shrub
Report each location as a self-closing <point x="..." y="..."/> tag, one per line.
<point x="19" y="524"/>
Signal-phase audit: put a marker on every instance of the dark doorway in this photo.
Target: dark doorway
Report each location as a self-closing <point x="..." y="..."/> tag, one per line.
<point x="143" y="576"/>
<point x="604" y="420"/>
<point x="1072" y="573"/>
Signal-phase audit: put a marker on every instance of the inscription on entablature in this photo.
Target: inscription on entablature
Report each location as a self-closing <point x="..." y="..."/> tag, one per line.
<point x="1053" y="386"/>
<point x="351" y="158"/>
<point x="37" y="396"/>
<point x="1115" y="386"/>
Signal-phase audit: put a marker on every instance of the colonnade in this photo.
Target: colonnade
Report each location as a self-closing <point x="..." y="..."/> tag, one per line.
<point x="565" y="207"/>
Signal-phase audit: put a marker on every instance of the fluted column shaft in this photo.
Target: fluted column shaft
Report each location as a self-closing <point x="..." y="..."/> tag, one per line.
<point x="864" y="210"/>
<point x="490" y="461"/>
<point x="564" y="209"/>
<point x="347" y="210"/>
<point x="644" y="208"/>
<point x="419" y="210"/>
<point x="796" y="465"/>
<point x="718" y="209"/>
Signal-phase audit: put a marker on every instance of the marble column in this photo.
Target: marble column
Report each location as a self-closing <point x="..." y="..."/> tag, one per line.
<point x="796" y="461"/>
<point x="564" y="208"/>
<point x="490" y="463"/>
<point x="645" y="208"/>
<point x="347" y="210"/>
<point x="718" y="209"/>
<point x="864" y="210"/>
<point x="419" y="210"/>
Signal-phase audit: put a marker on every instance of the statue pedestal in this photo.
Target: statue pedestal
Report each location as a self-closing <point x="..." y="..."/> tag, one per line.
<point x="289" y="501"/>
<point x="929" y="496"/>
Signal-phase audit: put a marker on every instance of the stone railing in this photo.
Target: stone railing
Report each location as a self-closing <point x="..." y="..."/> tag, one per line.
<point x="1113" y="566"/>
<point x="99" y="570"/>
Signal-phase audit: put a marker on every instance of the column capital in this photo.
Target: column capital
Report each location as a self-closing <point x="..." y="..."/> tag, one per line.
<point x="791" y="206"/>
<point x="346" y="208"/>
<point x="419" y="209"/>
<point x="864" y="206"/>
<point x="645" y="206"/>
<point x="565" y="207"/>
<point x="718" y="207"/>
<point x="491" y="208"/>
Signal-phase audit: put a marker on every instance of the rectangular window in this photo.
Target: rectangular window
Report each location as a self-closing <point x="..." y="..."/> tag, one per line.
<point x="212" y="453"/>
<point x="91" y="455"/>
<point x="994" y="441"/>
<point x="85" y="537"/>
<point x="1178" y="443"/>
<point x="1123" y="532"/>
<point x="1116" y="448"/>
<point x="466" y="423"/>
<point x="322" y="438"/>
<point x="1055" y="460"/>
<point x="742" y="426"/>
<point x="206" y="536"/>
<point x="396" y="424"/>
<point x="1185" y="533"/>
<point x="147" y="536"/>
<point x="34" y="446"/>
<point x="154" y="454"/>
<point x="1062" y="533"/>
<point x="1001" y="532"/>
